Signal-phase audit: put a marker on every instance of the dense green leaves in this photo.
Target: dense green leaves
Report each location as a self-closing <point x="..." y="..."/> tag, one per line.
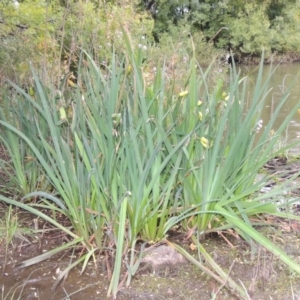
<point x="251" y="26"/>
<point x="125" y="160"/>
<point x="130" y="148"/>
<point x="51" y="34"/>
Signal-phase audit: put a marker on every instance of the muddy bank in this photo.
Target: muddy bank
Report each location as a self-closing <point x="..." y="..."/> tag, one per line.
<point x="274" y="58"/>
<point x="261" y="274"/>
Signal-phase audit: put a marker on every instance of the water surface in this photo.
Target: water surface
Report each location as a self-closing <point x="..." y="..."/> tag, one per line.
<point x="285" y="79"/>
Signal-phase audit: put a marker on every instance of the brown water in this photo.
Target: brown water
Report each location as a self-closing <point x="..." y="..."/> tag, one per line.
<point x="285" y="75"/>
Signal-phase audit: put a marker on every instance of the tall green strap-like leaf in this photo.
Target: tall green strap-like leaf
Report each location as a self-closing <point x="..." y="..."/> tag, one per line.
<point x="218" y="274"/>
<point x="82" y="152"/>
<point x="28" y="98"/>
<point x="84" y="258"/>
<point x="113" y="287"/>
<point x="50" y="253"/>
<point x="261" y="239"/>
<point x="39" y="156"/>
<point x="38" y="213"/>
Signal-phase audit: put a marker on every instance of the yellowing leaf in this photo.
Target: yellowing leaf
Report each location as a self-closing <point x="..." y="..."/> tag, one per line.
<point x="182" y="94"/>
<point x="63" y="115"/>
<point x="29" y="158"/>
<point x="298" y="110"/>
<point x="200" y="115"/>
<point x="71" y="83"/>
<point x="31" y="91"/>
<point x="205" y="142"/>
<point x="128" y="69"/>
<point x="193" y="247"/>
<point x="224" y="94"/>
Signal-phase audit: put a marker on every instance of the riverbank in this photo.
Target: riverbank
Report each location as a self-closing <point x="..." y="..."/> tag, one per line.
<point x="275" y="58"/>
<point x="260" y="273"/>
<point x="117" y="160"/>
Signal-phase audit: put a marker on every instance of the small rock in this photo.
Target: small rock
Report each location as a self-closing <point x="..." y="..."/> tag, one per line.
<point x="162" y="259"/>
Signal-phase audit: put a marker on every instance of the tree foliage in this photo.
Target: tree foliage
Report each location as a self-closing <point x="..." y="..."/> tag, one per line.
<point x="243" y="26"/>
<point x="51" y="33"/>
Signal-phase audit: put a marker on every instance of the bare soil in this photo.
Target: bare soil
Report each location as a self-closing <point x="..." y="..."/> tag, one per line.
<point x="261" y="274"/>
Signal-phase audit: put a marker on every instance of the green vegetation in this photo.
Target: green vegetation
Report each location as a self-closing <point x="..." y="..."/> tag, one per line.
<point x="125" y="159"/>
<point x="244" y="27"/>
<point x="125" y="143"/>
<point x="50" y="34"/>
<point x="8" y="226"/>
